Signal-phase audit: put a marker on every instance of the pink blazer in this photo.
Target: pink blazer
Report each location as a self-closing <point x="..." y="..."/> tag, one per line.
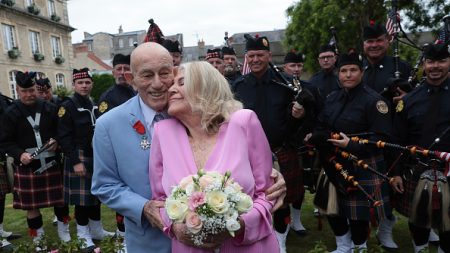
<point x="241" y="148"/>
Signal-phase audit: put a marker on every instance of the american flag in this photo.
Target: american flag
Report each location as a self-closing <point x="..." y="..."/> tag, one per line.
<point x="442" y="38"/>
<point x="390" y="23"/>
<point x="245" y="66"/>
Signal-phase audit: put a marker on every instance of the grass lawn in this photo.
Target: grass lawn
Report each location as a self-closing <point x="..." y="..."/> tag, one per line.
<point x="15" y="221"/>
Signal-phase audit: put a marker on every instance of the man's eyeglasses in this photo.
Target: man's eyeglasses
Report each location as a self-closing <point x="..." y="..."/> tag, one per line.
<point x="326" y="57"/>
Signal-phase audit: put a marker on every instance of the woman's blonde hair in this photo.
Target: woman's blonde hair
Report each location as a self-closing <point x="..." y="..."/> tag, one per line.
<point x="209" y="94"/>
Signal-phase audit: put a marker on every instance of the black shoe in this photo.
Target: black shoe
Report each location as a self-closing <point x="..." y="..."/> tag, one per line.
<point x="14" y="236"/>
<point x="302" y="232"/>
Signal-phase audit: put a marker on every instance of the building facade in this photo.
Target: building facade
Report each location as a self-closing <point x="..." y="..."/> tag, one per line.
<point x="106" y="45"/>
<point x="35" y="36"/>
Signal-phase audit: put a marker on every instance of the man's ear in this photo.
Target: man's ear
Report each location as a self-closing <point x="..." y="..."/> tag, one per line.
<point x="129" y="77"/>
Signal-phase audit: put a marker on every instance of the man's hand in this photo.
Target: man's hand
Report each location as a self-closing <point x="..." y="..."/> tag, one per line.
<point x="79" y="169"/>
<point x="298" y="111"/>
<point x="400" y="96"/>
<point x="53" y="145"/>
<point x="277" y="191"/>
<point x="151" y="213"/>
<point x="25" y="158"/>
<point x="397" y="184"/>
<point x="182" y="234"/>
<point x="342" y="143"/>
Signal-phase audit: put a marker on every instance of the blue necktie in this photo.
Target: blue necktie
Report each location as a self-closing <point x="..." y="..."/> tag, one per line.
<point x="158" y="116"/>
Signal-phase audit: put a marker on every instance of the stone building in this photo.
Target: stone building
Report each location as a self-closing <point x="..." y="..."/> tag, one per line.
<point x="35" y="36"/>
<point x="106" y="45"/>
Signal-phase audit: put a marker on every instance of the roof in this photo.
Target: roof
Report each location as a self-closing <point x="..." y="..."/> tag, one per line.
<point x="275" y="35"/>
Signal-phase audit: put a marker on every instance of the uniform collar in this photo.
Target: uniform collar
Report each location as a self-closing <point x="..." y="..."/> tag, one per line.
<point x="352" y="93"/>
<point x="378" y="65"/>
<point x="444" y="86"/>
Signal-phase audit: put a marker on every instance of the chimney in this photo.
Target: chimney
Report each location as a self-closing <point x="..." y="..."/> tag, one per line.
<point x="201" y="43"/>
<point x="120" y="29"/>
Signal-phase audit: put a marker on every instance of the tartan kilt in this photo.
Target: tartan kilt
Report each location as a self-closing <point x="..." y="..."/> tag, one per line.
<point x="33" y="191"/>
<point x="4" y="185"/>
<point x="77" y="189"/>
<point x="292" y="172"/>
<point x="356" y="205"/>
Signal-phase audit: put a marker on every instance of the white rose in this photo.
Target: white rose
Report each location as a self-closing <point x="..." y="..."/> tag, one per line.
<point x="217" y="201"/>
<point x="185" y="182"/>
<point x="176" y="209"/>
<point x="190" y="188"/>
<point x="229" y="190"/>
<point x="215" y="175"/>
<point x="245" y="203"/>
<point x="232" y="214"/>
<point x="232" y="225"/>
<point x="205" y="181"/>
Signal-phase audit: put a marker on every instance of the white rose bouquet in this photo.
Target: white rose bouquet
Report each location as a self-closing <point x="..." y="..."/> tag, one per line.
<point x="208" y="203"/>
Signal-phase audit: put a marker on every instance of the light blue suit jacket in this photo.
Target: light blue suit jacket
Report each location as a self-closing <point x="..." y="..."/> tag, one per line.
<point x="121" y="179"/>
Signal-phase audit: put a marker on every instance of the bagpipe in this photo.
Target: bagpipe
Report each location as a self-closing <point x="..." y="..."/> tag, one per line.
<point x="39" y="151"/>
<point x="431" y="196"/>
<point x="413" y="150"/>
<point x="340" y="177"/>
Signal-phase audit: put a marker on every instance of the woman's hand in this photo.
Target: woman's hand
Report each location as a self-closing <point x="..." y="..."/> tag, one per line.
<point x="342" y="143"/>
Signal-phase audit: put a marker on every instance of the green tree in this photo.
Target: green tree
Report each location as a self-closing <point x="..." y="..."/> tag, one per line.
<point x="309" y="23"/>
<point x="101" y="83"/>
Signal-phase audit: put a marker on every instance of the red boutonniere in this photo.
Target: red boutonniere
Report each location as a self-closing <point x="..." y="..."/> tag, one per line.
<point x="140" y="129"/>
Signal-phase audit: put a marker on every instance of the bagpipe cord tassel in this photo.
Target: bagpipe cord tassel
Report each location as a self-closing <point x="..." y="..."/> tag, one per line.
<point x="421" y="207"/>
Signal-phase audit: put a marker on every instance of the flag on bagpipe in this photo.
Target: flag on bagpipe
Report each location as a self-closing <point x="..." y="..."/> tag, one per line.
<point x="392" y="18"/>
<point x="154" y="34"/>
<point x="245" y="66"/>
<point x="442" y="37"/>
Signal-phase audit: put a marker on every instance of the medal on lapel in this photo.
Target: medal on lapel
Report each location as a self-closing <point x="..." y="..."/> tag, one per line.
<point x="144" y="143"/>
<point x="140" y="129"/>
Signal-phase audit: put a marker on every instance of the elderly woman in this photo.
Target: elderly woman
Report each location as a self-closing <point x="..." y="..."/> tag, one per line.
<point x="210" y="131"/>
<point x="354" y="109"/>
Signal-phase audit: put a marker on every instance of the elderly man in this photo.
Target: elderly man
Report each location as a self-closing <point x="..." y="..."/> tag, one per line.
<point x="28" y="124"/>
<point x="121" y="181"/>
<point x="231" y="70"/>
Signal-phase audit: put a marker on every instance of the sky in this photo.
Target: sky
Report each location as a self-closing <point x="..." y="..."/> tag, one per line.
<point x="195" y="19"/>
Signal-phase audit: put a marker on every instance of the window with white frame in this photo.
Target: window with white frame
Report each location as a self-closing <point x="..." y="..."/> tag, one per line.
<point x="9" y="38"/>
<point x="35" y="43"/>
<point x="12" y="83"/>
<point x="29" y="2"/>
<point x="120" y="43"/>
<point x="130" y="42"/>
<point x="59" y="80"/>
<point x="51" y="8"/>
<point x="56" y="46"/>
